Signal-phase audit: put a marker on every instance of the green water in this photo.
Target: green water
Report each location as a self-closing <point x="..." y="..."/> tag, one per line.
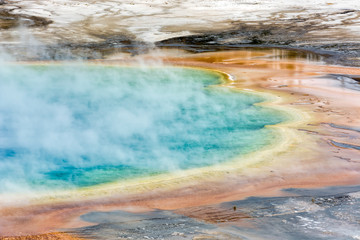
<point x="73" y="126"/>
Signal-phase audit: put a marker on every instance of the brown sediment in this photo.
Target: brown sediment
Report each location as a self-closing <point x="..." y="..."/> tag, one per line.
<point x="215" y="214"/>
<point x="306" y="160"/>
<point x="48" y="236"/>
<point x="8" y="20"/>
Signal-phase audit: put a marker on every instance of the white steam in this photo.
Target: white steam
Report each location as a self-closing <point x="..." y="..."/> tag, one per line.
<point x="78" y="123"/>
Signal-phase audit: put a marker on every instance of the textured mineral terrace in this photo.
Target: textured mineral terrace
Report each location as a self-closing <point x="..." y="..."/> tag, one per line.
<point x="94" y="28"/>
<point x="157" y="20"/>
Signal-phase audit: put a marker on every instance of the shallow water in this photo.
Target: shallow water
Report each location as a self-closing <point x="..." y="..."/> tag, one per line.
<point x="65" y="126"/>
<point x="327" y="213"/>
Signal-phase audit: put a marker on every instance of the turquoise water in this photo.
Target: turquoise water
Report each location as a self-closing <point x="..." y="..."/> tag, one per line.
<point x="74" y="126"/>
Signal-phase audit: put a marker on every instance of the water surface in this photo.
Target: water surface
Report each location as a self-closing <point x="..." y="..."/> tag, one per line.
<point x="65" y="126"/>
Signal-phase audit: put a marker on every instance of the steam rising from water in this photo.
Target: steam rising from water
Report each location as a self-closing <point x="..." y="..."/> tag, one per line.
<point x="63" y="126"/>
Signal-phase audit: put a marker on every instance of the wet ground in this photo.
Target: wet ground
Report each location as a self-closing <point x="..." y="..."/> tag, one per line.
<point x="329" y="213"/>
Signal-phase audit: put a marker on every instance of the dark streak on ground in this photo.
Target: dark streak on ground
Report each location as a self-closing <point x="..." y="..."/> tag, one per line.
<point x="8" y="19"/>
<point x="356" y="129"/>
<point x="344" y="145"/>
<point x="288" y="35"/>
<point x="345" y="80"/>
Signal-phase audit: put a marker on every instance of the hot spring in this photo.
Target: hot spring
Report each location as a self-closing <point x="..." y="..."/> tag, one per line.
<point x="65" y="126"/>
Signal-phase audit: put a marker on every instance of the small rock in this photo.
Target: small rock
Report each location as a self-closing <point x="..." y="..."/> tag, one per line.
<point x="177" y="234"/>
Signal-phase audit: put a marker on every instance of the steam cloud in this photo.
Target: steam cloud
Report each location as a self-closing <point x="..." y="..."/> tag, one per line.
<point x="82" y="125"/>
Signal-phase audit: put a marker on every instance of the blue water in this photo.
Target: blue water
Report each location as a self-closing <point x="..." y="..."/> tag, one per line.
<point x="72" y="126"/>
